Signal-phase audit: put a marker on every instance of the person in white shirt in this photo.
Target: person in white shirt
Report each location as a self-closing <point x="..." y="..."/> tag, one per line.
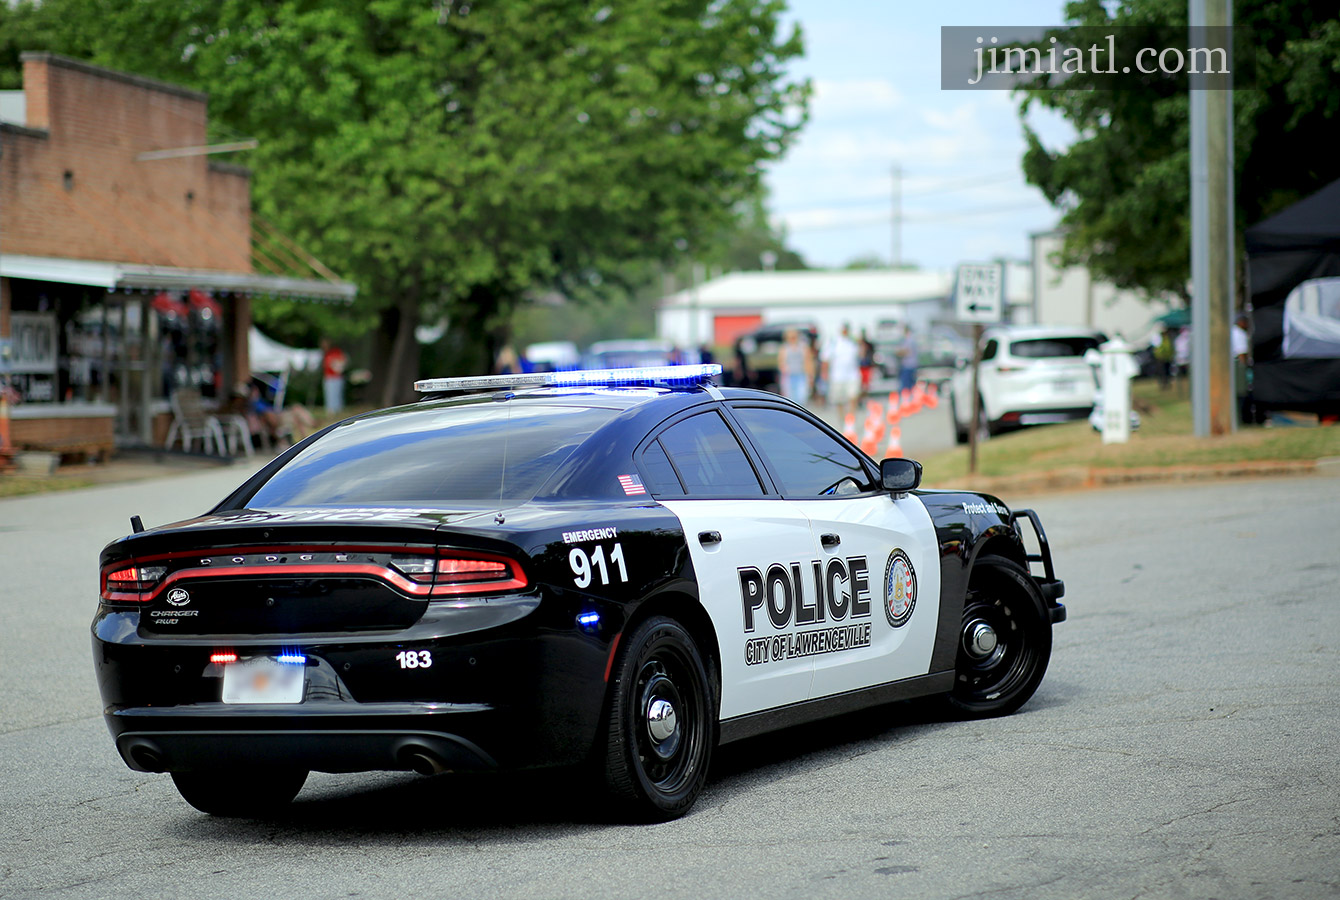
<point x="842" y="371"/>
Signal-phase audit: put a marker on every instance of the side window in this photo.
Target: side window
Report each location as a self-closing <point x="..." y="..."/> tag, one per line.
<point x="708" y="459"/>
<point x="809" y="462"/>
<point x="989" y="351"/>
<point x="661" y="477"/>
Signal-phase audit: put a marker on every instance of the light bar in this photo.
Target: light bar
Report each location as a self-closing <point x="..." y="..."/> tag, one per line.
<point x="673" y="375"/>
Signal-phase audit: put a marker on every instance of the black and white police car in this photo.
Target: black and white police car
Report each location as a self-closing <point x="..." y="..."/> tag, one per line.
<point x="620" y="567"/>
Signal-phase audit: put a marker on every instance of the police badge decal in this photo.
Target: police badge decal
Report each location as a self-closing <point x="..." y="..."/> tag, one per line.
<point x="900" y="589"/>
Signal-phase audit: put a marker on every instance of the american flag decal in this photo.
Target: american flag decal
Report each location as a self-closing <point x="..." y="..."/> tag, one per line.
<point x="631" y="485"/>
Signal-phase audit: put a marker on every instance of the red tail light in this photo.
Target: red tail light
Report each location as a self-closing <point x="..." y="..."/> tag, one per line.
<point x="468" y="572"/>
<point x="131" y="584"/>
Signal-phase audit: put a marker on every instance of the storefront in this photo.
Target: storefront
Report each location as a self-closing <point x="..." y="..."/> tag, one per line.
<point x="127" y="259"/>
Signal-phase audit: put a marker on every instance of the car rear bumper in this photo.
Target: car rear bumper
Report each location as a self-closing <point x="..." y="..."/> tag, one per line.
<point x="150" y="740"/>
<point x="1044" y="416"/>
<point x="521" y="696"/>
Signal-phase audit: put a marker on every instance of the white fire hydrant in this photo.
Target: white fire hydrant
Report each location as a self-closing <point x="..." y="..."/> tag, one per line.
<point x="1116" y="367"/>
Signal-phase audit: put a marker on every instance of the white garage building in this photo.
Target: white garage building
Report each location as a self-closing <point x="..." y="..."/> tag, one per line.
<point x="719" y="310"/>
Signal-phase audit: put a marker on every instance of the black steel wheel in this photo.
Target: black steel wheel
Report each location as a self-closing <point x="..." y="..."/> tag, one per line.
<point x="243" y="793"/>
<point x="1005" y="640"/>
<point x="662" y="723"/>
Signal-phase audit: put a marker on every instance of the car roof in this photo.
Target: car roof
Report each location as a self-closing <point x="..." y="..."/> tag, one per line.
<point x="1024" y="332"/>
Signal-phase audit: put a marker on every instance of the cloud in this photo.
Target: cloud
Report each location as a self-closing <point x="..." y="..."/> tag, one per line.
<point x="861" y="96"/>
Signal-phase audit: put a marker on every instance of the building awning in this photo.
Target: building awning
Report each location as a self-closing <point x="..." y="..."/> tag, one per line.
<point x="131" y="277"/>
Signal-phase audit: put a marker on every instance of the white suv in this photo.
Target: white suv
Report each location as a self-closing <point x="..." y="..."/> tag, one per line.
<point x="1030" y="375"/>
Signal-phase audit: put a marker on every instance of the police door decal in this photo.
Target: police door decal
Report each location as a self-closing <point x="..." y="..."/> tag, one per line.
<point x="782" y="605"/>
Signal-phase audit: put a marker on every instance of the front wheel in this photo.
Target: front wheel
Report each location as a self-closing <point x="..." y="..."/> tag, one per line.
<point x="1005" y="640"/>
<point x="244" y="793"/>
<point x="662" y="723"/>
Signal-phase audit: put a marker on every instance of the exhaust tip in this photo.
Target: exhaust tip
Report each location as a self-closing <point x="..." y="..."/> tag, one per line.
<point x="422" y="760"/>
<point x="147" y="758"/>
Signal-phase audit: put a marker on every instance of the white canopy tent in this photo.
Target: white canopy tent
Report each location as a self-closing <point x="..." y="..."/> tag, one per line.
<point x="268" y="355"/>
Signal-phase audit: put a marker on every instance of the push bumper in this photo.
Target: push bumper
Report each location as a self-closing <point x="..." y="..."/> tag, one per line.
<point x="1051" y="587"/>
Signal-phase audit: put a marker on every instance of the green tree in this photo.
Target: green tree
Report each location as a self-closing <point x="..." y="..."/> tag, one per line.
<point x="1123" y="185"/>
<point x="449" y="157"/>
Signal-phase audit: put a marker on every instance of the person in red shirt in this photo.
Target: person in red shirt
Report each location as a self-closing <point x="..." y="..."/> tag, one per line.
<point x="333" y="362"/>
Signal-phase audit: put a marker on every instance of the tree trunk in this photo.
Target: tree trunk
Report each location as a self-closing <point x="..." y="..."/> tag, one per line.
<point x="401" y="349"/>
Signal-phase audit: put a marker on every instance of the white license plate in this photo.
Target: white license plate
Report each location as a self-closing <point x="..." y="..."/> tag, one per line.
<point x="1064" y="387"/>
<point x="263" y="680"/>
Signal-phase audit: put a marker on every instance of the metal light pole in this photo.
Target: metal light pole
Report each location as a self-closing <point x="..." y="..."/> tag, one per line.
<point x="1212" y="240"/>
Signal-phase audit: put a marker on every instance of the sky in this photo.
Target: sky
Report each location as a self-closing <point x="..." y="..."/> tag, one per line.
<point x="877" y="103"/>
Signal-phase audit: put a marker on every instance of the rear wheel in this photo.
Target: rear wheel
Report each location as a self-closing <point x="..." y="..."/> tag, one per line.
<point x="245" y="793"/>
<point x="1005" y="640"/>
<point x="662" y="723"/>
<point x="960" y="431"/>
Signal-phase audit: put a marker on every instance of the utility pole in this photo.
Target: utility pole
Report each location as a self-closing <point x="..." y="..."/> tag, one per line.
<point x="896" y="259"/>
<point x="1212" y="241"/>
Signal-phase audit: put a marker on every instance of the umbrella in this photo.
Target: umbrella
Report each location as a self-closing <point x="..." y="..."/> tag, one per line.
<point x="1177" y="318"/>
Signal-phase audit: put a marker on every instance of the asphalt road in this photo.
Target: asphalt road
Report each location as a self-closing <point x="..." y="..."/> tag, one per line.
<point x="1183" y="744"/>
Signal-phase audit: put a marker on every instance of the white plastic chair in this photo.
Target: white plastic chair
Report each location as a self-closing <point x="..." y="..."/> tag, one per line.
<point x="191" y="422"/>
<point x="238" y="433"/>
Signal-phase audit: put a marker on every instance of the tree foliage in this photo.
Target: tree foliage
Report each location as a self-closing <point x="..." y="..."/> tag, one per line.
<point x="451" y="156"/>
<point x="1123" y="185"/>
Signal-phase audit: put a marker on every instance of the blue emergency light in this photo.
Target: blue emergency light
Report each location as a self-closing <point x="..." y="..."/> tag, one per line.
<point x="676" y="376"/>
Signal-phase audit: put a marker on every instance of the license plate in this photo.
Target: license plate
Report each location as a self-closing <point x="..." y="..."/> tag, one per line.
<point x="263" y="680"/>
<point x="1064" y="387"/>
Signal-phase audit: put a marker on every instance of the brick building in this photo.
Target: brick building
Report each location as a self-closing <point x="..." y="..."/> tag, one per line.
<point x="126" y="255"/>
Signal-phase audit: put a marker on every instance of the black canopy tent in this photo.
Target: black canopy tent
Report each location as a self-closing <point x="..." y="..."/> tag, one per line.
<point x="1299" y="243"/>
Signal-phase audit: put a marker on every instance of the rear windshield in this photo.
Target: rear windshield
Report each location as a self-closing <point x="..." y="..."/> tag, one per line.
<point x="1053" y="348"/>
<point x="455" y="456"/>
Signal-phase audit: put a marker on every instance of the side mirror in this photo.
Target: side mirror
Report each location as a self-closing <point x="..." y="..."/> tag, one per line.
<point x="899" y="475"/>
<point x="1093" y="357"/>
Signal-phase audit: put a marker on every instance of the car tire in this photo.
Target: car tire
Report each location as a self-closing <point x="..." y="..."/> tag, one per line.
<point x="986" y="430"/>
<point x="960" y="431"/>
<point x="662" y="724"/>
<point x="242" y="793"/>
<point x="1005" y="641"/>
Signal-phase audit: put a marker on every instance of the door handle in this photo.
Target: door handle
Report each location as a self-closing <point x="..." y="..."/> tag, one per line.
<point x="830" y="540"/>
<point x="709" y="537"/>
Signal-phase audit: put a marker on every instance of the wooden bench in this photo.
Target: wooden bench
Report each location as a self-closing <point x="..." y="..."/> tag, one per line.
<point x="98" y="450"/>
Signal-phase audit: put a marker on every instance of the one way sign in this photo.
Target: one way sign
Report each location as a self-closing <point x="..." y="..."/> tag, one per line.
<point x="979" y="292"/>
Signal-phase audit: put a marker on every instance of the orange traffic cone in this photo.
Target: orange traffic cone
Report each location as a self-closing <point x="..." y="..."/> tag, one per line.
<point x="849" y="428"/>
<point x="894" y="413"/>
<point x="895" y="446"/>
<point x="931" y="397"/>
<point x="905" y="404"/>
<point x="874" y="427"/>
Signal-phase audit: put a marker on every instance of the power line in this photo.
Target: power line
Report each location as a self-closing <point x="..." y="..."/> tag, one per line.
<point x="945" y="188"/>
<point x="932" y="218"/>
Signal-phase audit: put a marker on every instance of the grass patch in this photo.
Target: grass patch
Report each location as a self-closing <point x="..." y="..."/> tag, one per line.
<point x="18" y="485"/>
<point x="1165" y="438"/>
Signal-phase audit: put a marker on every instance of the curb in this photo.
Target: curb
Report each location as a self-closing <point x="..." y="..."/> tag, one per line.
<point x="1090" y="477"/>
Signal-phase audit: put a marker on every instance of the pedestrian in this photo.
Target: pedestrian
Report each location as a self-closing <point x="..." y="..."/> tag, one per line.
<point x="867" y="362"/>
<point x="795" y="365"/>
<point x="842" y="371"/>
<point x="333" y="363"/>
<point x="1163" y="358"/>
<point x="907" y="360"/>
<point x="1240" y="346"/>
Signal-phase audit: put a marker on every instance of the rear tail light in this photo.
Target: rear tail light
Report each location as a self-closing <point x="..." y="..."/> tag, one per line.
<point x="419" y="568"/>
<point x="457" y="572"/>
<point x="131" y="584"/>
<point x="461" y="572"/>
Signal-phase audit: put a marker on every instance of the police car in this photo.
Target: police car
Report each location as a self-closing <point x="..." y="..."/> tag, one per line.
<point x="622" y="568"/>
